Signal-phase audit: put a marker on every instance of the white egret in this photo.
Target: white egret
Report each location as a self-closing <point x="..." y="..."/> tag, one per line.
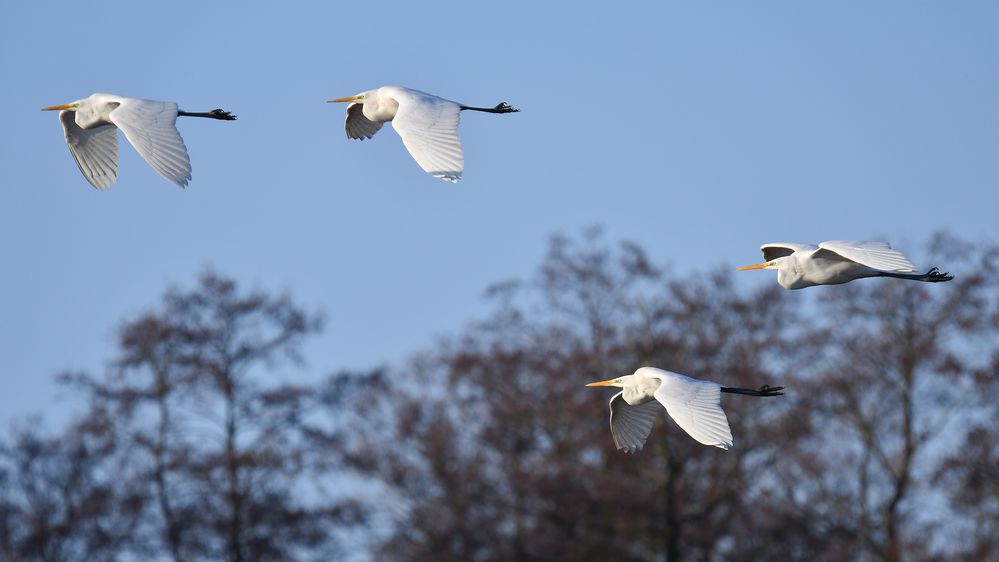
<point x="149" y="125"/>
<point x="839" y="261"/>
<point x="427" y="124"/>
<point x="693" y="404"/>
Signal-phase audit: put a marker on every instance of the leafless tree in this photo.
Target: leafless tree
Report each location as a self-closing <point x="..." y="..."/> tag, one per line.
<point x="211" y="453"/>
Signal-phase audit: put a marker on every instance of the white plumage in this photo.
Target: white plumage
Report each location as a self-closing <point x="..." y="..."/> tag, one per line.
<point x="95" y="150"/>
<point x="427" y="124"/>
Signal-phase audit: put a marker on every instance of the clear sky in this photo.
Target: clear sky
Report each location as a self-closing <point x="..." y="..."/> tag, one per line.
<point x="699" y="130"/>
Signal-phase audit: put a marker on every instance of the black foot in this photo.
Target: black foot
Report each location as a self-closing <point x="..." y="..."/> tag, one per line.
<point x="504" y="107"/>
<point x="500" y="108"/>
<point x="934" y="276"/>
<point x="222" y="114"/>
<point x="767" y="390"/>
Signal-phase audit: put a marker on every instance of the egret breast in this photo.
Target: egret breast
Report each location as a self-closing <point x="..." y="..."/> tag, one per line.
<point x="835" y="272"/>
<point x="93" y="115"/>
<point x="380" y="110"/>
<point x="640" y="394"/>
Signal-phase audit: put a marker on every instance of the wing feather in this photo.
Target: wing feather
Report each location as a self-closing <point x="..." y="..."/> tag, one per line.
<point x="428" y="126"/>
<point x="358" y="126"/>
<point x="631" y="425"/>
<point x="95" y="150"/>
<point x="151" y="128"/>
<point x="695" y="406"/>
<point x="876" y="255"/>
<point x="776" y="250"/>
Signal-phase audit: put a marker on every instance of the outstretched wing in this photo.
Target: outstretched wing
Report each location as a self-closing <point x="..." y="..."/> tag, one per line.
<point x="780" y="249"/>
<point x="694" y="406"/>
<point x="631" y="425"/>
<point x="428" y="126"/>
<point x="95" y="150"/>
<point x="151" y="128"/>
<point x="876" y="255"/>
<point x="358" y="126"/>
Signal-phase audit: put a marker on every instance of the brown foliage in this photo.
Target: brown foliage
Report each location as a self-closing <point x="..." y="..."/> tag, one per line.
<point x="489" y="447"/>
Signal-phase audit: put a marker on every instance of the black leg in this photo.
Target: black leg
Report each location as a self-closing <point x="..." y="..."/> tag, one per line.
<point x="931" y="276"/>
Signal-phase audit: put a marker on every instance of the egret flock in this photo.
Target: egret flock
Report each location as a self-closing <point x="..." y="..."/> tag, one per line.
<point x="428" y="126"/>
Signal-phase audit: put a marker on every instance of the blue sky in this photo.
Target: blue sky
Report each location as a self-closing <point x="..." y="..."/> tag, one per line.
<point x="699" y="131"/>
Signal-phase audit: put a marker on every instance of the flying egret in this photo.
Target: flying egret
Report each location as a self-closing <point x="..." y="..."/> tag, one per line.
<point x="149" y="125"/>
<point x="693" y="404"/>
<point x="839" y="261"/>
<point x="427" y="124"/>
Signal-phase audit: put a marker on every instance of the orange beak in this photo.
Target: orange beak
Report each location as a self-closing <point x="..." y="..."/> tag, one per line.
<point x="58" y="107"/>
<point x="340" y="100"/>
<point x="757" y="266"/>
<point x="602" y="383"/>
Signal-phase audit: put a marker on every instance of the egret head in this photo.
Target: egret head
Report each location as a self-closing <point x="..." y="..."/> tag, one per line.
<point x="73" y="106"/>
<point x="359" y="98"/>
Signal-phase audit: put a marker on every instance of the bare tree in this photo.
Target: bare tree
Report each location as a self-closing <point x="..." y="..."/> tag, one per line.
<point x="61" y="499"/>
<point x="216" y="452"/>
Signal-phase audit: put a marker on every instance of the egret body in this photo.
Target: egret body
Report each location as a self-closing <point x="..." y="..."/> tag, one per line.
<point x="693" y="404"/>
<point x="90" y="126"/>
<point x="839" y="261"/>
<point x="427" y="124"/>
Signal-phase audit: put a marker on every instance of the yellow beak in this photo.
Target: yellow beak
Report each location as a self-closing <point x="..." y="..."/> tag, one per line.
<point x="602" y="383"/>
<point x="58" y="107"/>
<point x="757" y="266"/>
<point x="339" y="100"/>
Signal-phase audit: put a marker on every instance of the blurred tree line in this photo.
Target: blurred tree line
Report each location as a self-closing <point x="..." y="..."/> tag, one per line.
<point x="489" y="447"/>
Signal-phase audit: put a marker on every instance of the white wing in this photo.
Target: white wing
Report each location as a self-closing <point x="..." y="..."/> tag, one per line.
<point x="631" y="425"/>
<point x="151" y="128"/>
<point x="694" y="406"/>
<point x="776" y="250"/>
<point x="876" y="255"/>
<point x="95" y="150"/>
<point x="428" y="126"/>
<point x="358" y="126"/>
